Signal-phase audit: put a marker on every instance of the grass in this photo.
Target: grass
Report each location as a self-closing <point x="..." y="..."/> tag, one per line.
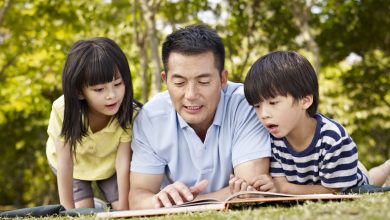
<point x="370" y="206"/>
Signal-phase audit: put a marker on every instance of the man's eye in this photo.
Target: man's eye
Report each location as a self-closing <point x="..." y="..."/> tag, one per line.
<point x="178" y="83"/>
<point x="204" y="82"/>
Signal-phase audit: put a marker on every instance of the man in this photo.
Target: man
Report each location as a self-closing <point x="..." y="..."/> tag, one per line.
<point x="189" y="140"/>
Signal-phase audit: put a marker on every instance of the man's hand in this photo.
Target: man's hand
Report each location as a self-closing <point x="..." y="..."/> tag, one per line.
<point x="178" y="193"/>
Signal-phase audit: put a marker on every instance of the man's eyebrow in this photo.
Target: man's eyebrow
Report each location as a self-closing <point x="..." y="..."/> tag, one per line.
<point x="203" y="75"/>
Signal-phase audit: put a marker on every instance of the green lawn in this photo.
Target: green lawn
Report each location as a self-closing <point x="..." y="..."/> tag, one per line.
<point x="371" y="206"/>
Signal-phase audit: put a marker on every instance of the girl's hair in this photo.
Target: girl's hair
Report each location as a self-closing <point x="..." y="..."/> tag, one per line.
<point x="282" y="73"/>
<point x="91" y="62"/>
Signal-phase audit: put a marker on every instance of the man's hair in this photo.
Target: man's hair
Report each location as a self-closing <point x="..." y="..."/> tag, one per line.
<point x="282" y="73"/>
<point x="194" y="40"/>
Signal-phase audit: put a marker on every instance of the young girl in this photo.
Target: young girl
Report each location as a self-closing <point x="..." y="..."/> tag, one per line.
<point x="89" y="126"/>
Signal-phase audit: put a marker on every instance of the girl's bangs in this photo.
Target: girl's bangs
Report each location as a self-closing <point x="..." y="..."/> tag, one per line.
<point x="99" y="70"/>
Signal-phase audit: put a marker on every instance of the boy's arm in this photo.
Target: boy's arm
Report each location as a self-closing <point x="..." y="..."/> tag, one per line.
<point x="283" y="186"/>
<point x="65" y="174"/>
<point x="122" y="165"/>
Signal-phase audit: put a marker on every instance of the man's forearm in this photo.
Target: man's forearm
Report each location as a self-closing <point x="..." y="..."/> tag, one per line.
<point x="141" y="199"/>
<point x="220" y="195"/>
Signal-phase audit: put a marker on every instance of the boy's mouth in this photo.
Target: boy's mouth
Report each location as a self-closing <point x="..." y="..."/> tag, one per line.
<point x="272" y="127"/>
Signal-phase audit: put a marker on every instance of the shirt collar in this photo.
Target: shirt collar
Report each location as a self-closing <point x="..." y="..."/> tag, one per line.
<point x="111" y="127"/>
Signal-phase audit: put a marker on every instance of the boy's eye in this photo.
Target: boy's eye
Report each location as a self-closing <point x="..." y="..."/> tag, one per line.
<point x="273" y="102"/>
<point x="256" y="106"/>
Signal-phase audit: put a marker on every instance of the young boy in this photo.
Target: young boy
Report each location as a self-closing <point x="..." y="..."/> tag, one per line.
<point x="310" y="152"/>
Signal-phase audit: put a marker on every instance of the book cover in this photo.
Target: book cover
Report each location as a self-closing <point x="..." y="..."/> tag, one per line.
<point x="243" y="197"/>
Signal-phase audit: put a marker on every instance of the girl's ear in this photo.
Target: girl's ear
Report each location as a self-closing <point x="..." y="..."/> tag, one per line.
<point x="81" y="96"/>
<point x="307" y="101"/>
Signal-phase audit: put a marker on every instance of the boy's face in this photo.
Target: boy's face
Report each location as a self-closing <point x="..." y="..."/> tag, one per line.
<point x="194" y="85"/>
<point x="282" y="115"/>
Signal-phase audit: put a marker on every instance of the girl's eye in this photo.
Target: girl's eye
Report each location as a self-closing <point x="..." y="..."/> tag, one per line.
<point x="256" y="106"/>
<point x="118" y="83"/>
<point x="98" y="89"/>
<point x="273" y="102"/>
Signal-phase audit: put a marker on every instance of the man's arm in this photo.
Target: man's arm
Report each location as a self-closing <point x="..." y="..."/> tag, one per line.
<point x="245" y="173"/>
<point x="145" y="191"/>
<point x="143" y="187"/>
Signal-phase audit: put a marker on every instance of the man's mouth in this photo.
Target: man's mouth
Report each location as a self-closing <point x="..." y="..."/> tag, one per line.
<point x="193" y="108"/>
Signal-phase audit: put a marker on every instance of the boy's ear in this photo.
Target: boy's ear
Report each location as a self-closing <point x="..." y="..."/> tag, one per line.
<point x="307" y="101"/>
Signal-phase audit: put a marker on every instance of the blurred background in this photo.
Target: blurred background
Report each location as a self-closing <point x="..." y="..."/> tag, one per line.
<point x="347" y="41"/>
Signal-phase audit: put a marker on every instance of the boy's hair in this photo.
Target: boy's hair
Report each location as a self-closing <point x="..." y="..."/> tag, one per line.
<point x="194" y="40"/>
<point x="91" y="62"/>
<point x="282" y="73"/>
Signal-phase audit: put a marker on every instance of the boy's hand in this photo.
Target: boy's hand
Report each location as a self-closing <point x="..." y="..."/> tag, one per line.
<point x="263" y="183"/>
<point x="237" y="184"/>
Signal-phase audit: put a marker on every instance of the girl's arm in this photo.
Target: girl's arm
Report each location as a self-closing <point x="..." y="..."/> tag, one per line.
<point x="122" y="166"/>
<point x="283" y="186"/>
<point x="65" y="175"/>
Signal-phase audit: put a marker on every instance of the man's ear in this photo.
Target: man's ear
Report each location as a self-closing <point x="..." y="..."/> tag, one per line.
<point x="224" y="78"/>
<point x="164" y="76"/>
<point x="307" y="101"/>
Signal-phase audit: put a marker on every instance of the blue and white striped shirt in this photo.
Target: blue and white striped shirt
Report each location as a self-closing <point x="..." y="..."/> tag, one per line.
<point x="330" y="160"/>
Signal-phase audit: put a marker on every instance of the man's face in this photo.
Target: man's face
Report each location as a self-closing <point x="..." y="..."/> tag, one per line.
<point x="194" y="84"/>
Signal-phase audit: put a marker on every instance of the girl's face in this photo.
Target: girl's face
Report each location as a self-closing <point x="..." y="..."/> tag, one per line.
<point x="104" y="99"/>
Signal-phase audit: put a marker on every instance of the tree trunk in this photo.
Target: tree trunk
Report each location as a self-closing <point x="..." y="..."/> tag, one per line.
<point x="140" y="36"/>
<point x="301" y="13"/>
<point x="148" y="10"/>
<point x="4" y="9"/>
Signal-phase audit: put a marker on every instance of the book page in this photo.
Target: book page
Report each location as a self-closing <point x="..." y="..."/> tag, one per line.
<point x="258" y="194"/>
<point x="199" y="202"/>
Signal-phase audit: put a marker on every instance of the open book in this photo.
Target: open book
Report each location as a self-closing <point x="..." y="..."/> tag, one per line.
<point x="244" y="197"/>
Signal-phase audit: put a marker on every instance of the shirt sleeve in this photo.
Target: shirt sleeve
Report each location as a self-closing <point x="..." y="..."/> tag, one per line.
<point x="276" y="168"/>
<point x="55" y="123"/>
<point x="339" y="167"/>
<point x="125" y="136"/>
<point x="145" y="159"/>
<point x="251" y="140"/>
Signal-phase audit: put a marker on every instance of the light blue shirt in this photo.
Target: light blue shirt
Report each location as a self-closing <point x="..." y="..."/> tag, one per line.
<point x="164" y="143"/>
